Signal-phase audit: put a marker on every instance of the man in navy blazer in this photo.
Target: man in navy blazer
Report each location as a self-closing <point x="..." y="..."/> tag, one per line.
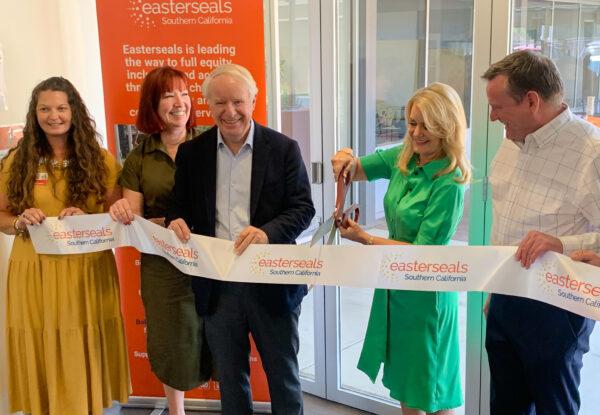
<point x="247" y="183"/>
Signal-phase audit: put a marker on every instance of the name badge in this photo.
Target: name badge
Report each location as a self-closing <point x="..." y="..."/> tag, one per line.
<point x="41" y="179"/>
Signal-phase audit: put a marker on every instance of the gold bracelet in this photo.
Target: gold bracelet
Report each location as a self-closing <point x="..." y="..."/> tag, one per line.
<point x="18" y="231"/>
<point x="370" y="240"/>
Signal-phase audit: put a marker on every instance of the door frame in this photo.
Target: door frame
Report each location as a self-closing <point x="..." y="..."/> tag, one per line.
<point x="491" y="30"/>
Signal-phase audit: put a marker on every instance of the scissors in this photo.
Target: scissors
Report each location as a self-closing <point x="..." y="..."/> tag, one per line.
<point x="340" y="216"/>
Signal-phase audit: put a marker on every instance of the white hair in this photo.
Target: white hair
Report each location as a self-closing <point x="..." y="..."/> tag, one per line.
<point x="235" y="71"/>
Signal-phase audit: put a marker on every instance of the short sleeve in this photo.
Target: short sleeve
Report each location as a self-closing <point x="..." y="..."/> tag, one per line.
<point x="381" y="163"/>
<point x="130" y="175"/>
<point x="442" y="214"/>
<point x="113" y="167"/>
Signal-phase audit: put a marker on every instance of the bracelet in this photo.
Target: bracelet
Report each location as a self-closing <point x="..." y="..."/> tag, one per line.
<point x="18" y="231"/>
<point x="370" y="240"/>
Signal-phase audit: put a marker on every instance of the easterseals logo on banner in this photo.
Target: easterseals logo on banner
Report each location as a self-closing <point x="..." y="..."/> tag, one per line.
<point x="149" y="14"/>
<point x="567" y="287"/>
<point x="395" y="268"/>
<point x="74" y="237"/>
<point x="182" y="255"/>
<point x="264" y="263"/>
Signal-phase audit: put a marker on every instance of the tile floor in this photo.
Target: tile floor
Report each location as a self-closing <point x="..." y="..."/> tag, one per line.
<point x="312" y="406"/>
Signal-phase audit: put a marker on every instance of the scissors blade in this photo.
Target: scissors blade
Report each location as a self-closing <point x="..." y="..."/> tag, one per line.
<point x="351" y="213"/>
<point x="331" y="236"/>
<point x="322" y="231"/>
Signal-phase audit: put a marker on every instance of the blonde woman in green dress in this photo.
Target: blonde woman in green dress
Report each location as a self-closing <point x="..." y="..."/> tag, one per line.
<point x="414" y="333"/>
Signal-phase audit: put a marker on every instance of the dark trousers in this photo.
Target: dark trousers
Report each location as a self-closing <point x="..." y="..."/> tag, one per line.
<point x="237" y="314"/>
<point x="535" y="353"/>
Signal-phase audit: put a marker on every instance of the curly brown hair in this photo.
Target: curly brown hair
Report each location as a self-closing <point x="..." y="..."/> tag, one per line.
<point x="86" y="173"/>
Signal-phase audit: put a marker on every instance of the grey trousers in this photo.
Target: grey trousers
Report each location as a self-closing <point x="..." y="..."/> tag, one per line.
<point x="237" y="314"/>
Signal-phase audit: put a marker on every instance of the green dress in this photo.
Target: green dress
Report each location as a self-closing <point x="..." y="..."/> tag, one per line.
<point x="415" y="333"/>
<point x="177" y="349"/>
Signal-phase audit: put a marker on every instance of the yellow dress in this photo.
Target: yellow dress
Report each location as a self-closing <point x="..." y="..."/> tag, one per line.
<point x="65" y="339"/>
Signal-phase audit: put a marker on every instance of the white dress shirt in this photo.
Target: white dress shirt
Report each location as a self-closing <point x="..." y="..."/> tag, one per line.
<point x="549" y="183"/>
<point x="234" y="176"/>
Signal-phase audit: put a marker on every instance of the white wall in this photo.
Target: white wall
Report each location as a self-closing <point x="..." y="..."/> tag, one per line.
<point x="32" y="51"/>
<point x="46" y="38"/>
<point x="43" y="38"/>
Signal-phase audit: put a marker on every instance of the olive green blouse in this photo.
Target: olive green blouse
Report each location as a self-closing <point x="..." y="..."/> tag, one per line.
<point x="419" y="208"/>
<point x="148" y="169"/>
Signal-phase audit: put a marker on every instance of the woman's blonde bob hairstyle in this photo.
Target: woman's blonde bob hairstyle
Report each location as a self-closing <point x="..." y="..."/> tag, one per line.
<point x="444" y="117"/>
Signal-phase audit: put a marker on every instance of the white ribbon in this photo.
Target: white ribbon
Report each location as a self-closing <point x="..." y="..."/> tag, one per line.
<point x="554" y="279"/>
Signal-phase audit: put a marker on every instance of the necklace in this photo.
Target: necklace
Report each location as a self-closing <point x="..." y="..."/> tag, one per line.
<point x="56" y="164"/>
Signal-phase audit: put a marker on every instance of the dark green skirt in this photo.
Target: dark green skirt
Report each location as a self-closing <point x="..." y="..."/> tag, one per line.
<point x="177" y="347"/>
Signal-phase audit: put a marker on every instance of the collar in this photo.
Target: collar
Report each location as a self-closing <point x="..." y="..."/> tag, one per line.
<point x="431" y="168"/>
<point x="154" y="143"/>
<point x="249" y="139"/>
<point x="548" y="132"/>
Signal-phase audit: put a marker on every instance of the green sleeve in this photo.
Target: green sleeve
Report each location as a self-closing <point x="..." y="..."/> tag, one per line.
<point x="130" y="177"/>
<point x="381" y="163"/>
<point x="442" y="214"/>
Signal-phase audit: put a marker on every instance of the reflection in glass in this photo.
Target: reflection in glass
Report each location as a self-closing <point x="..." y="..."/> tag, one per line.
<point x="569" y="33"/>
<point x="564" y="47"/>
<point x="400" y="64"/>
<point x="294" y="76"/>
<point x="294" y="79"/>
<point x="451" y="46"/>
<point x="404" y="62"/>
<point x="532" y="26"/>
<point x="306" y="328"/>
<point x="588" y="64"/>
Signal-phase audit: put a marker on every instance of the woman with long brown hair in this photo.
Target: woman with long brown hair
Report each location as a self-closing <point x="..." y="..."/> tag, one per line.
<point x="65" y="340"/>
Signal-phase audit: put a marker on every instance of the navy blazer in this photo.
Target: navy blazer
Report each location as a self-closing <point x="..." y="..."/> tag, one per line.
<point x="280" y="205"/>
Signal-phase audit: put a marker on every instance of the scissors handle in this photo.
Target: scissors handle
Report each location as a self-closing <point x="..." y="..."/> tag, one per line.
<point x="353" y="212"/>
<point x="343" y="184"/>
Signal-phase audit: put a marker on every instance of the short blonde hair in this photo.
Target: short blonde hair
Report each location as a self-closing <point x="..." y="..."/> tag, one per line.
<point x="444" y="117"/>
<point x="235" y="71"/>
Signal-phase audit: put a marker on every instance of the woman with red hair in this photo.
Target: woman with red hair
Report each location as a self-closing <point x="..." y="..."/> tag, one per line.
<point x="175" y="334"/>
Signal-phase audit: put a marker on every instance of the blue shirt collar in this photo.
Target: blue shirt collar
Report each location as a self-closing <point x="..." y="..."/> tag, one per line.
<point x="249" y="140"/>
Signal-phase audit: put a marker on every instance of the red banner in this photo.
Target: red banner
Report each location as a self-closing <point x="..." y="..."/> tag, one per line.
<point x="193" y="36"/>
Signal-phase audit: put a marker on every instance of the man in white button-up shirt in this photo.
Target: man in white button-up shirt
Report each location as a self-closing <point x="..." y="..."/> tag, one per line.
<point x="546" y="197"/>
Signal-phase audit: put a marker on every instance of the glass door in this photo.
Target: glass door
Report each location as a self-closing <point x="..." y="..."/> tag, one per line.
<point x="340" y="73"/>
<point x="386" y="50"/>
<point x="293" y="45"/>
